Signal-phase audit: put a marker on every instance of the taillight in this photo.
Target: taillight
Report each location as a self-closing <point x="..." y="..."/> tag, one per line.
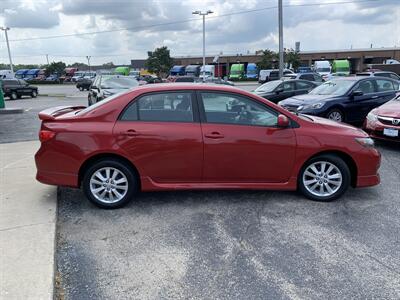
<point x="45" y="135"/>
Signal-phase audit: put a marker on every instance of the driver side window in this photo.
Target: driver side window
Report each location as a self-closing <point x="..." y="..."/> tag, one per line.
<point x="232" y="109"/>
<point x="365" y="86"/>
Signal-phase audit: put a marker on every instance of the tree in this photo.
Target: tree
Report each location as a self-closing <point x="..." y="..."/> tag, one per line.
<point x="292" y="58"/>
<point x="55" y="67"/>
<point x="79" y="66"/>
<point x="108" y="65"/>
<point x="269" y="60"/>
<point x="159" y="61"/>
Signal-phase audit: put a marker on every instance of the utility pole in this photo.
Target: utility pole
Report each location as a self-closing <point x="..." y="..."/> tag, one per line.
<point x="5" y="29"/>
<point x="280" y="13"/>
<point x="204" y="14"/>
<point x="47" y="58"/>
<point x="88" y="61"/>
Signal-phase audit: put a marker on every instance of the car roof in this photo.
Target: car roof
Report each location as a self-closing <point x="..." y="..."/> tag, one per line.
<point x="159" y="87"/>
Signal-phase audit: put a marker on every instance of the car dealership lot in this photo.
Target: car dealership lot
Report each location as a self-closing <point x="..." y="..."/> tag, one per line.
<point x="226" y="245"/>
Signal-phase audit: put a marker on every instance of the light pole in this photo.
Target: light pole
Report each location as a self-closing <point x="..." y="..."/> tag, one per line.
<point x="5" y="29"/>
<point x="204" y="14"/>
<point x="280" y="38"/>
<point x="88" y="61"/>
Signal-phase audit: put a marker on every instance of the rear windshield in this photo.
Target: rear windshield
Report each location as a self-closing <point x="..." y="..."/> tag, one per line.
<point x="100" y="103"/>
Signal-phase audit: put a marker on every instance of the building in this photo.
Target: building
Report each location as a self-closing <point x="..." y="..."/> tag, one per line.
<point x="359" y="58"/>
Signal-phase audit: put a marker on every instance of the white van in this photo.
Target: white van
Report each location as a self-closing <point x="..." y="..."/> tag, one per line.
<point x="271" y="74"/>
<point x="322" y="67"/>
<point x="209" y="70"/>
<point x="6" y="74"/>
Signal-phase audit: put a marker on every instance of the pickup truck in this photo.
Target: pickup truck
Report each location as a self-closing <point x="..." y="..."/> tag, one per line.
<point x="16" y="88"/>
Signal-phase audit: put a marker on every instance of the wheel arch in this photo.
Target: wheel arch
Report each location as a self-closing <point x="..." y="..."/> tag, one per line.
<point x="344" y="156"/>
<point x="101" y="156"/>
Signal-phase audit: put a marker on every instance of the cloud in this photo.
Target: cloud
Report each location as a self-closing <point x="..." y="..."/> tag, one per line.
<point x="40" y="17"/>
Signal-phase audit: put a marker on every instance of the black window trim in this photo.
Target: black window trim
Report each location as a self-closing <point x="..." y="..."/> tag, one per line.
<point x="195" y="109"/>
<point x="203" y="118"/>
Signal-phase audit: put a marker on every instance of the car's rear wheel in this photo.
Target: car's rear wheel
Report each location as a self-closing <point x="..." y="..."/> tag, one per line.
<point x="336" y="115"/>
<point x="13" y="96"/>
<point x="324" y="178"/>
<point x="34" y="94"/>
<point x="109" y="183"/>
<point x="81" y="88"/>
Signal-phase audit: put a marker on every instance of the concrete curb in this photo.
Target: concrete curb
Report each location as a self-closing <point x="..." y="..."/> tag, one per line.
<point x="53" y="95"/>
<point x="7" y="111"/>
<point x="27" y="226"/>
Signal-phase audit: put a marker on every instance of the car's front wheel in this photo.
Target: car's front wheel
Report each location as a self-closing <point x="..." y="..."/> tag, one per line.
<point x="109" y="183"/>
<point x="336" y="115"/>
<point x="324" y="178"/>
<point x="13" y="96"/>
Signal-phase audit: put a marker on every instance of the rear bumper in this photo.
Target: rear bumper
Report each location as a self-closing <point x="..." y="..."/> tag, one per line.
<point x="61" y="179"/>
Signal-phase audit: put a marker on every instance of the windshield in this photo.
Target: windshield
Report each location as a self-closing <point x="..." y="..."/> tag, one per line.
<point x="236" y="72"/>
<point x="323" y="70"/>
<point x="251" y="71"/>
<point x="268" y="87"/>
<point x="333" y="87"/>
<point x="118" y="83"/>
<point x="342" y="69"/>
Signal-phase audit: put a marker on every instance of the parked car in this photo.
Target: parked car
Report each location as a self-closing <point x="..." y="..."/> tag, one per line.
<point x="383" y="122"/>
<point x="150" y="79"/>
<point x="304" y="70"/>
<point x="195" y="136"/>
<point x="84" y="84"/>
<point x="271" y="74"/>
<point x="6" y="74"/>
<point x="278" y="90"/>
<point x="77" y="76"/>
<point x="387" y="74"/>
<point x="104" y="86"/>
<point x="16" y="88"/>
<point x="310" y="76"/>
<point x="345" y="99"/>
<point x="186" y="79"/>
<point x="53" y="78"/>
<point x="218" y="80"/>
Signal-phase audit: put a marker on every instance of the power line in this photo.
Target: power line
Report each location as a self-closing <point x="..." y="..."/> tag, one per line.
<point x="139" y="28"/>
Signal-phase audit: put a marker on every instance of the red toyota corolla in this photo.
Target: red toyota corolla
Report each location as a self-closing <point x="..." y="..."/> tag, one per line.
<point x="384" y="122"/>
<point x="194" y="136"/>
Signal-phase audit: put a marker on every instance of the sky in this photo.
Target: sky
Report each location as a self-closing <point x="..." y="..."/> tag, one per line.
<point x="121" y="30"/>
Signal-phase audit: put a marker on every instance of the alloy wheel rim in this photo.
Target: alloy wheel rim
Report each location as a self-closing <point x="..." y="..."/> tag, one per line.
<point x="322" y="179"/>
<point x="336" y="116"/>
<point x="108" y="185"/>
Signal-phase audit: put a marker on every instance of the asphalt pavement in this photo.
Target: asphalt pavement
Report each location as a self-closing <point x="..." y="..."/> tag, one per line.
<point x="225" y="245"/>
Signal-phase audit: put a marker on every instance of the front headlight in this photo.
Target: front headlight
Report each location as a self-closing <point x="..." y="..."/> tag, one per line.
<point x="366" y="142"/>
<point x="311" y="106"/>
<point x="372" y="116"/>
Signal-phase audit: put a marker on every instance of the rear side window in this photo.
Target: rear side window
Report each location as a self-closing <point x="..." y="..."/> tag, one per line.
<point x="161" y="107"/>
<point x="309" y="77"/>
<point x="384" y="85"/>
<point x="302" y="85"/>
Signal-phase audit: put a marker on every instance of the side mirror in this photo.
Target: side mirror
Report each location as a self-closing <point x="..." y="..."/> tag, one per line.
<point x="356" y="93"/>
<point x="283" y="121"/>
<point x="279" y="90"/>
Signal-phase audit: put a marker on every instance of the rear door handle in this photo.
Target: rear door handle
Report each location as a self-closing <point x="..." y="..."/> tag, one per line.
<point x="375" y="97"/>
<point x="131" y="132"/>
<point x="214" y="135"/>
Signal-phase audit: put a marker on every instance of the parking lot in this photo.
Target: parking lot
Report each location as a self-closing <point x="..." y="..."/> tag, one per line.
<point x="220" y="244"/>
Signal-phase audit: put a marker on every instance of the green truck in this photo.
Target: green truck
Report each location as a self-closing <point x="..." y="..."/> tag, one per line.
<point x="341" y="66"/>
<point x="238" y="72"/>
<point x="122" y="71"/>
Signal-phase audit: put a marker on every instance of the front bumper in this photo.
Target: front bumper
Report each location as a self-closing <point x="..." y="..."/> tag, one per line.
<point x="376" y="130"/>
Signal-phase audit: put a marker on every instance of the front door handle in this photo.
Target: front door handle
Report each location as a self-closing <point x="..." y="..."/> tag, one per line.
<point x="131" y="132"/>
<point x="374" y="97"/>
<point x="214" y="135"/>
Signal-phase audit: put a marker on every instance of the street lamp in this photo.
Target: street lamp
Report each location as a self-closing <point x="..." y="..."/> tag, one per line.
<point x="5" y="29"/>
<point x="88" y="60"/>
<point x="204" y="14"/>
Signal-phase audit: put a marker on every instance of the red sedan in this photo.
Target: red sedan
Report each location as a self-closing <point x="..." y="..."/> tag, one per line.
<point x="384" y="122"/>
<point x="192" y="136"/>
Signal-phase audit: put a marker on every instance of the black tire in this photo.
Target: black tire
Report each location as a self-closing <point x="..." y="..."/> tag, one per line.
<point x="13" y="96"/>
<point x="341" y="166"/>
<point x="34" y="94"/>
<point x="81" y="88"/>
<point x="132" y="182"/>
<point x="90" y="101"/>
<point x="334" y="114"/>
